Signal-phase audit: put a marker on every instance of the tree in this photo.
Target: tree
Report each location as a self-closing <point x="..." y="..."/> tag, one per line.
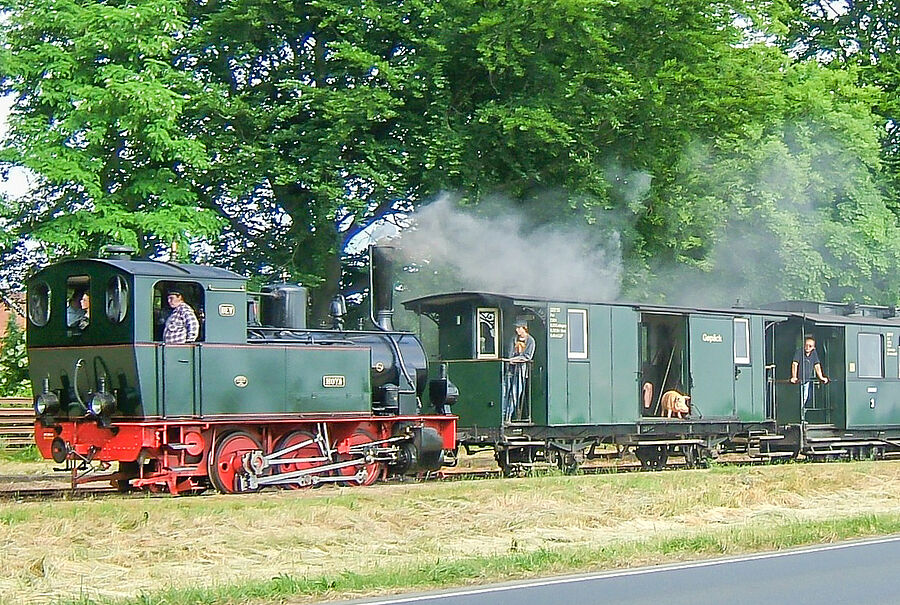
<point x="98" y="121"/>
<point x="13" y="362"/>
<point x="857" y="34"/>
<point x="296" y="125"/>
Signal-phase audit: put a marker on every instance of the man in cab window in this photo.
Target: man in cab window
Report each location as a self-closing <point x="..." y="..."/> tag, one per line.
<point x="181" y="325"/>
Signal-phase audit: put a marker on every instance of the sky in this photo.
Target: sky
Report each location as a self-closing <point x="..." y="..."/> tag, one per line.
<point x="16" y="183"/>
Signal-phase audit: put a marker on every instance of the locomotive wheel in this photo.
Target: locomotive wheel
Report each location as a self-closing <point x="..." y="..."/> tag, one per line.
<point x="126" y="468"/>
<point x="374" y="470"/>
<point x="310" y="450"/>
<point x="225" y="463"/>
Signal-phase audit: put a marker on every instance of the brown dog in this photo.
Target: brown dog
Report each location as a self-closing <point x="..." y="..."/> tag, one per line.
<point x="674" y="404"/>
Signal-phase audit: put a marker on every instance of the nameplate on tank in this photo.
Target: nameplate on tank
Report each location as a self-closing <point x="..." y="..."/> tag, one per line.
<point x="334" y="382"/>
<point x="226" y="310"/>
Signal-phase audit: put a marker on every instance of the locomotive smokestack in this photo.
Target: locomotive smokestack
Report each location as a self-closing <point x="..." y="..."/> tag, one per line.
<point x="381" y="286"/>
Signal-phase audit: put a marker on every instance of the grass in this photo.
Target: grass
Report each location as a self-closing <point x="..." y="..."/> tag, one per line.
<point x="298" y="546"/>
<point x="480" y="569"/>
<point x="20" y="454"/>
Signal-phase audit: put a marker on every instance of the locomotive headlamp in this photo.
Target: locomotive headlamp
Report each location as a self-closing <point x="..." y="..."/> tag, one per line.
<point x="47" y="402"/>
<point x="101" y="402"/>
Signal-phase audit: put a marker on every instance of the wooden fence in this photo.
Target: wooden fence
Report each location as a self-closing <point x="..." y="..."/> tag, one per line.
<point x="16" y="422"/>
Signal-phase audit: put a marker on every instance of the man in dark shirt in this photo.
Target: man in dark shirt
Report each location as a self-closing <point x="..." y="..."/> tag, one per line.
<point x="804" y="367"/>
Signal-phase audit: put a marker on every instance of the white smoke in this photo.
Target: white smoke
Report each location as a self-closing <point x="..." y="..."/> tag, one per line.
<point x="503" y="253"/>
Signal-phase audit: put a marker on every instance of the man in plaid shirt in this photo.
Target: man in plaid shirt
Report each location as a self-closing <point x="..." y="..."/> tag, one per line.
<point x="181" y="325"/>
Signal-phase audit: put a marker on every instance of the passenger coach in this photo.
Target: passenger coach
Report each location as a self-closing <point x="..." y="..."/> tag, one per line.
<point x="600" y="372"/>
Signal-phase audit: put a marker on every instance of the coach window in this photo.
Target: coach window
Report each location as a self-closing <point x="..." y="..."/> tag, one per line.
<point x="78" y="304"/>
<point x="39" y="304"/>
<point x="486" y="338"/>
<point x="871" y="356"/>
<point x="578" y="333"/>
<point x="117" y="299"/>
<point x="741" y="341"/>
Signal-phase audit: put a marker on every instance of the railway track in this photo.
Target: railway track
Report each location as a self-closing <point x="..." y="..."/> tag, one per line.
<point x="18" y="487"/>
<point x="26" y="493"/>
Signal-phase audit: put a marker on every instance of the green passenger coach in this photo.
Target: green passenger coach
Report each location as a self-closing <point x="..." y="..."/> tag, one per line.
<point x="606" y="378"/>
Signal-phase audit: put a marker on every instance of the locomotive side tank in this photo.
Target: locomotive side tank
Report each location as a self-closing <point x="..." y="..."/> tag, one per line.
<point x="242" y="406"/>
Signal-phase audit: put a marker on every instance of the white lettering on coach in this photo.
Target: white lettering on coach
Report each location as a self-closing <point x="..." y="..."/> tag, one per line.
<point x="711" y="337"/>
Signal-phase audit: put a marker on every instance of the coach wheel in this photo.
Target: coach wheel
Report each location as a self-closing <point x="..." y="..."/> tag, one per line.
<point x="507" y="468"/>
<point x="226" y="462"/>
<point x="691" y="455"/>
<point x="310" y="450"/>
<point x="373" y="469"/>
<point x="652" y="457"/>
<point x="567" y="463"/>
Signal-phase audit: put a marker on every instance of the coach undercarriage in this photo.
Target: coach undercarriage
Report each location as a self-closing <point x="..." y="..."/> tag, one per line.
<point x="518" y="449"/>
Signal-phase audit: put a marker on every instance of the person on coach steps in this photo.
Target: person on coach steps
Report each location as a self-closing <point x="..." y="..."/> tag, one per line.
<point x="181" y="325"/>
<point x="521" y="351"/>
<point x="804" y="367"/>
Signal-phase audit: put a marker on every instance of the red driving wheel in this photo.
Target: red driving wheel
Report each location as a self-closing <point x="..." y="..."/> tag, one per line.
<point x="226" y="460"/>
<point x="310" y="450"/>
<point x="373" y="469"/>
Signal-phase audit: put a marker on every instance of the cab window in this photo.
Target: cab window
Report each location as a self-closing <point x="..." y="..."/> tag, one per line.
<point x="488" y="325"/>
<point x="78" y="304"/>
<point x="39" y="304"/>
<point x="167" y="297"/>
<point x="117" y="299"/>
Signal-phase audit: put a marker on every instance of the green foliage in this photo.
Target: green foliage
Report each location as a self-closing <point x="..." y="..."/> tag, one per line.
<point x="99" y="123"/>
<point x="711" y="154"/>
<point x="14" y="362"/>
<point x="21" y="454"/>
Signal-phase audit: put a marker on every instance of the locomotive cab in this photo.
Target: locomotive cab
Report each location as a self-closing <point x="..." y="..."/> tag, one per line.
<point x="96" y="352"/>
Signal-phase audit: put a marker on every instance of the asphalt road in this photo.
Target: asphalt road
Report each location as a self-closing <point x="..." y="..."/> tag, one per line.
<point x="865" y="572"/>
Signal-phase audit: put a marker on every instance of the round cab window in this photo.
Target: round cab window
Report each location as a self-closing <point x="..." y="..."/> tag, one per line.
<point x="39" y="304"/>
<point x="117" y="299"/>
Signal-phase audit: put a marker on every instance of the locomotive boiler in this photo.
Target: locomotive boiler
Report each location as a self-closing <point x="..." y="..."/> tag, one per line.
<point x="257" y="399"/>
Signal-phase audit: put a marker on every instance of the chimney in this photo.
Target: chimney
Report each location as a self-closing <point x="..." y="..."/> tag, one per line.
<point x="381" y="287"/>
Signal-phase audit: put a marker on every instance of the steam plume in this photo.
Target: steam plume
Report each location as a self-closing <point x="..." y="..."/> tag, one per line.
<point x="503" y="252"/>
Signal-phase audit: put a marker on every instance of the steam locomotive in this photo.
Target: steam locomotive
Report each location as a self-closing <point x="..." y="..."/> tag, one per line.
<point x="258" y="399"/>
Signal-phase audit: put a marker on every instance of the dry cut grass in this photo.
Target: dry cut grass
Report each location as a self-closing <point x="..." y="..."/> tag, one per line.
<point x="119" y="548"/>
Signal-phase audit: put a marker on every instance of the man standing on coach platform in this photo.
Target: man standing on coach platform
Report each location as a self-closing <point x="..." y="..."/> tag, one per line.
<point x="804" y="367"/>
